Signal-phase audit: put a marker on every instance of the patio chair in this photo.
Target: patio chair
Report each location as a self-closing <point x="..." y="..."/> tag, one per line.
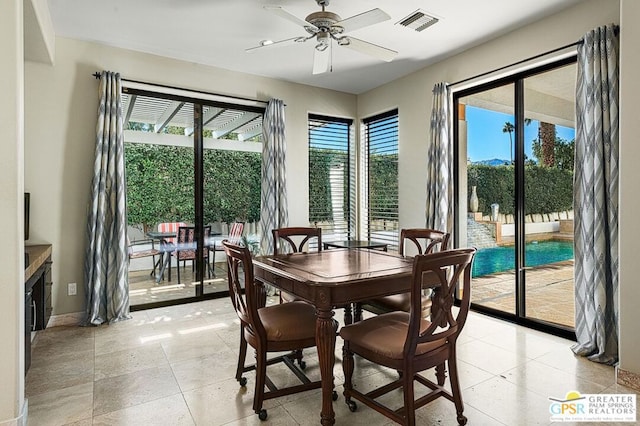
<point x="235" y="235"/>
<point x="186" y="245"/>
<point x="140" y="248"/>
<point x="168" y="244"/>
<point x="406" y="342"/>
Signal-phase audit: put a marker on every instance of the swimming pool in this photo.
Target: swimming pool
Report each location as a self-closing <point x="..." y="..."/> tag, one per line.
<point x="499" y="259"/>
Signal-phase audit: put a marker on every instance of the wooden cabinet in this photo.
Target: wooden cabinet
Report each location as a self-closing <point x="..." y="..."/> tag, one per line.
<point x="37" y="287"/>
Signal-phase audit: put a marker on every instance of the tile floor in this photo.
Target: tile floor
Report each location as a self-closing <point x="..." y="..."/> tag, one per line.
<point x="175" y="366"/>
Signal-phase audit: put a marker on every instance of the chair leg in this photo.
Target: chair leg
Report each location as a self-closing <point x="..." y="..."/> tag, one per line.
<point x="261" y="374"/>
<point x="241" y="358"/>
<point x="347" y="368"/>
<point x="455" y="388"/>
<point x="348" y="317"/>
<point x="441" y="375"/>
<point x="409" y="398"/>
<point x="357" y="312"/>
<point x="178" y="268"/>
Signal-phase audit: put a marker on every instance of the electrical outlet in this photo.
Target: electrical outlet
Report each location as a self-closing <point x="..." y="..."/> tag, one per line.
<point x="72" y="289"/>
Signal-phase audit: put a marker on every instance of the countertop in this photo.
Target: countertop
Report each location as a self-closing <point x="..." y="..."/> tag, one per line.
<point x="38" y="254"/>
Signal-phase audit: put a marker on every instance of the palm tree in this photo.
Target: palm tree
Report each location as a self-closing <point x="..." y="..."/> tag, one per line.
<point x="510" y="128"/>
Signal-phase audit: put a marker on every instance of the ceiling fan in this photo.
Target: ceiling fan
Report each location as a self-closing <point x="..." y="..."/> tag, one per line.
<point x="325" y="26"/>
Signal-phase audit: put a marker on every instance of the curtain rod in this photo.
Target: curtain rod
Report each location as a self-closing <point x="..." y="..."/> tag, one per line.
<point x="616" y="29"/>
<point x="98" y="74"/>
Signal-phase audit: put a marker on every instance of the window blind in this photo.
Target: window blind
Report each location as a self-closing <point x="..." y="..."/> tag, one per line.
<point x="381" y="162"/>
<point x="331" y="177"/>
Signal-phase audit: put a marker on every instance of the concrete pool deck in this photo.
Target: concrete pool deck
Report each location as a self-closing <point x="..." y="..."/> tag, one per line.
<point x="549" y="297"/>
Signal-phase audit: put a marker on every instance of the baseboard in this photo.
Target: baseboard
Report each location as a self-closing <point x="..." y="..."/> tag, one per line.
<point x="20" y="420"/>
<point x="74" y="318"/>
<point x="628" y="379"/>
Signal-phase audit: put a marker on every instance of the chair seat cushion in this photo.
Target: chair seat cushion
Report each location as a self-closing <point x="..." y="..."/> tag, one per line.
<point x="385" y="335"/>
<point x="289" y="321"/>
<point x="144" y="253"/>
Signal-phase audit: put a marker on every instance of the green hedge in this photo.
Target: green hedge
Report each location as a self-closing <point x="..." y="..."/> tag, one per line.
<point x="160" y="185"/>
<point x="547" y="189"/>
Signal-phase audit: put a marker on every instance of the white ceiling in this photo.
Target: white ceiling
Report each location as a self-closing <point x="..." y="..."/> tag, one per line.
<point x="217" y="32"/>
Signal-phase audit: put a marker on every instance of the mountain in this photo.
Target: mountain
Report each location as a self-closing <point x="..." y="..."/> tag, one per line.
<point x="492" y="162"/>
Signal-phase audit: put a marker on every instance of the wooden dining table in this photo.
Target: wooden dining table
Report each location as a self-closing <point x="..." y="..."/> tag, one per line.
<point x="333" y="278"/>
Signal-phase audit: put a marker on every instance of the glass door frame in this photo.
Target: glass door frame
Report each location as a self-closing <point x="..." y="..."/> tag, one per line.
<point x="517" y="80"/>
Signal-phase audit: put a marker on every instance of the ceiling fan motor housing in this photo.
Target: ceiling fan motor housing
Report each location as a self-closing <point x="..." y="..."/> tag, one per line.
<point x="323" y="20"/>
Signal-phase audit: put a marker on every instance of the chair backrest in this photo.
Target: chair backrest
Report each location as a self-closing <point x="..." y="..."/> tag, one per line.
<point x="186" y="240"/>
<point x="245" y="297"/>
<point x="170" y="227"/>
<point x="453" y="271"/>
<point x="235" y="232"/>
<point x="425" y="240"/>
<point x="302" y="235"/>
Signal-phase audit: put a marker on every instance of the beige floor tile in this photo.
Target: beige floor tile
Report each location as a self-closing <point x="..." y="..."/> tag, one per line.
<point x="565" y="360"/>
<point x="206" y="370"/>
<point x="128" y="390"/>
<point x="129" y="360"/>
<point x="548" y="381"/>
<point x="508" y="403"/>
<point x="60" y="373"/>
<point x="490" y="358"/>
<point x="223" y="402"/>
<point x="199" y="340"/>
<point x="525" y="342"/>
<point x="62" y="406"/>
<point x="169" y="411"/>
<point x="277" y="416"/>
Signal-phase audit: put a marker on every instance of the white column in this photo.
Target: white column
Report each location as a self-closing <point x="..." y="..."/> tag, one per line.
<point x="12" y="404"/>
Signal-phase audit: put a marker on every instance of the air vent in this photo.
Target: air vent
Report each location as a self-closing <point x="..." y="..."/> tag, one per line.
<point x="418" y="21"/>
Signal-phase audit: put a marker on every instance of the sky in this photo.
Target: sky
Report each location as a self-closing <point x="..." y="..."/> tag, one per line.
<point x="486" y="141"/>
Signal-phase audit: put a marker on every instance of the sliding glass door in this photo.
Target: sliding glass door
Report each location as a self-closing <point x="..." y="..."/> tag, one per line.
<point x="192" y="169"/>
<point x="515" y="168"/>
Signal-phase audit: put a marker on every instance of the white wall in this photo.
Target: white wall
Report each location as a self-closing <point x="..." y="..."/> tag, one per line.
<point x="629" y="230"/>
<point x="61" y="109"/>
<point x="11" y="194"/>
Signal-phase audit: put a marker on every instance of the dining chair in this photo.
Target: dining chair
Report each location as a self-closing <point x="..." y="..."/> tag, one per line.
<point x="186" y="245"/>
<point x="295" y="240"/>
<point x="276" y="328"/>
<point x="424" y="241"/>
<point x="409" y="344"/>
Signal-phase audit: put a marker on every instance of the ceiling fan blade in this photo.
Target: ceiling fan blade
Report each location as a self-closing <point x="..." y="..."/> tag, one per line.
<point x="370" y="49"/>
<point x="275" y="44"/>
<point x="277" y="10"/>
<point x="374" y="16"/>
<point x="321" y="60"/>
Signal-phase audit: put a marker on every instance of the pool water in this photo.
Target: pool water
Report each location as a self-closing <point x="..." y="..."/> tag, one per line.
<point x="500" y="259"/>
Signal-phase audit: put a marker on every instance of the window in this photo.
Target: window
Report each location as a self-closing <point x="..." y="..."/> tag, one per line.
<point x="380" y="165"/>
<point x="331" y="177"/>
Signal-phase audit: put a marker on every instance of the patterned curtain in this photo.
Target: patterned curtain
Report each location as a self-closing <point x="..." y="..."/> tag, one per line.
<point x="105" y="266"/>
<point x="273" y="200"/>
<point x="596" y="197"/>
<point x="439" y="208"/>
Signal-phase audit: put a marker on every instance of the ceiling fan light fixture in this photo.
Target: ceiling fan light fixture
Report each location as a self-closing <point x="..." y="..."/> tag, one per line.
<point x="343" y="41"/>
